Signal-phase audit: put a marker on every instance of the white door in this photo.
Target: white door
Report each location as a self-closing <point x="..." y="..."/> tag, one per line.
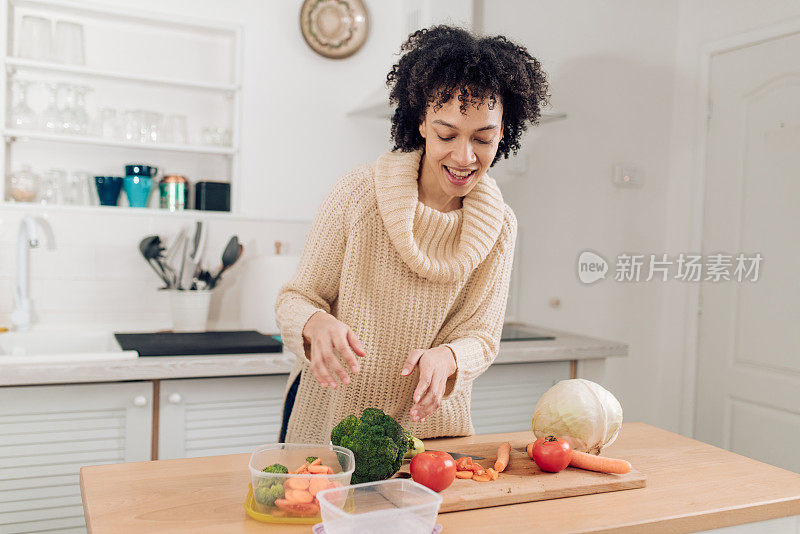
<point x="748" y="373"/>
<point x="48" y="432"/>
<point x="210" y="416"/>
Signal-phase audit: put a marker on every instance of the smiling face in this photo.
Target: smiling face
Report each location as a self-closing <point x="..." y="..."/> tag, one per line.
<point x="459" y="148"/>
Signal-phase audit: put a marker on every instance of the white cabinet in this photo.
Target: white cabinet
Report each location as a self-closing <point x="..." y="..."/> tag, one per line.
<point x="503" y="398"/>
<point x="210" y="416"/>
<point x="48" y="432"/>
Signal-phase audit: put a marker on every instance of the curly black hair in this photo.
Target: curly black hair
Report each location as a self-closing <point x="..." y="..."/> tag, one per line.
<point x="442" y="60"/>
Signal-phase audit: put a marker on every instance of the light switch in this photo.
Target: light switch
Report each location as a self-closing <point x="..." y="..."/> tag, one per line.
<point x="627" y="176"/>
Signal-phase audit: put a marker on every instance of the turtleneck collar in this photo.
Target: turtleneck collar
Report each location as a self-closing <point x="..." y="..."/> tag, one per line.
<point x="442" y="247"/>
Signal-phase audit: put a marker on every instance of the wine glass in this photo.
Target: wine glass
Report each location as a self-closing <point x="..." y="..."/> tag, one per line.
<point x="51" y="116"/>
<point x="21" y="115"/>
<point x="79" y="113"/>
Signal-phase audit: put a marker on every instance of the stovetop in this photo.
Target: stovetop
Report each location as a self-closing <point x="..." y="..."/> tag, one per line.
<point x="519" y="332"/>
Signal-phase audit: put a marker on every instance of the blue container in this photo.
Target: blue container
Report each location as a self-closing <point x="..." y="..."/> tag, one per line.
<point x="138" y="184"/>
<point x="108" y="189"/>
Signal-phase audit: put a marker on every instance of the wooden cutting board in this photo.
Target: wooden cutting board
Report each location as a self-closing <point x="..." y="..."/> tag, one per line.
<point x="523" y="481"/>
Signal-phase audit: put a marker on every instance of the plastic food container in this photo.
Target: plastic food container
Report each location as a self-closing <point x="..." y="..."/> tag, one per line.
<point x="389" y="507"/>
<point x="291" y="498"/>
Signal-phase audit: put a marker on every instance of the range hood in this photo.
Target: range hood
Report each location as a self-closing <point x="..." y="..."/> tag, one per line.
<point x="376" y="106"/>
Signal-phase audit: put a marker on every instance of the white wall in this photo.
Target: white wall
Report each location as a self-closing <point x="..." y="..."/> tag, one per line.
<point x="610" y="66"/>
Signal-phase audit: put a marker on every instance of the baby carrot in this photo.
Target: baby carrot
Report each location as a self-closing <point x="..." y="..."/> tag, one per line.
<point x="529" y="449"/>
<point x="299" y="496"/>
<point x="601" y="464"/>
<point x="503" y="455"/>
<point x="298" y="483"/>
<point x="318" y="469"/>
<point x="316" y="462"/>
<point x="492" y="473"/>
<point x="463" y="474"/>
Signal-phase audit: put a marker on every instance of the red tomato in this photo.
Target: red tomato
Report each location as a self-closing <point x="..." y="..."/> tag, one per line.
<point x="551" y="454"/>
<point x="433" y="469"/>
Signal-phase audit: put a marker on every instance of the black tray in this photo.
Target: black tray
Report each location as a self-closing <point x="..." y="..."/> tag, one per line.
<point x="199" y="343"/>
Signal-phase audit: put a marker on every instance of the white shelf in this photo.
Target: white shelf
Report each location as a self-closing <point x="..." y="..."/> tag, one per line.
<point x="42" y="66"/>
<point x="12" y="135"/>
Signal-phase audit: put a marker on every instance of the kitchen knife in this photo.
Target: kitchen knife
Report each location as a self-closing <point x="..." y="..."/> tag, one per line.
<point x="457" y="455"/>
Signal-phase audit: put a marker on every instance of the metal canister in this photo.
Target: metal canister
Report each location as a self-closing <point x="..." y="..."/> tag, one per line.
<point x="173" y="189"/>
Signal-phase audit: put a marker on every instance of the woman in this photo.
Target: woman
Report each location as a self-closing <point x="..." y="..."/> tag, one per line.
<point x="399" y="297"/>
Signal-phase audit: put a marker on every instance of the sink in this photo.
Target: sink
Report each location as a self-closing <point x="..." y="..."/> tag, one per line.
<point x="61" y="346"/>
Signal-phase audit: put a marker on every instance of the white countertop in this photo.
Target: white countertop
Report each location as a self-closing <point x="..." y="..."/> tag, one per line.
<point x="566" y="346"/>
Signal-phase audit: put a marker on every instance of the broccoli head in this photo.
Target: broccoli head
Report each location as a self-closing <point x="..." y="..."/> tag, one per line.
<point x="378" y="443"/>
<point x="276" y="468"/>
<point x="268" y="491"/>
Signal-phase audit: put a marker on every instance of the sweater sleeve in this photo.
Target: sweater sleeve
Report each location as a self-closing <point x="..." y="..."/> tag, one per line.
<point x="473" y="332"/>
<point x="315" y="285"/>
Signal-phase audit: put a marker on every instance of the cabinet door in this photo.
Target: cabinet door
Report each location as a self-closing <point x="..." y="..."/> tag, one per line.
<point x="213" y="416"/>
<point x="503" y="398"/>
<point x="48" y="432"/>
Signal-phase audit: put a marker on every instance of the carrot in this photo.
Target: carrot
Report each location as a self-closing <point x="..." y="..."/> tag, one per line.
<point x="483" y="477"/>
<point x="463" y="463"/>
<point x="463" y="474"/>
<point x="529" y="449"/>
<point x="317" y="485"/>
<point x="330" y="471"/>
<point x="492" y="473"/>
<point x="601" y="464"/>
<point x="298" y="496"/>
<point x="503" y="455"/>
<point x="300" y="469"/>
<point x="298" y="483"/>
<point x="318" y="469"/>
<point x="318" y="461"/>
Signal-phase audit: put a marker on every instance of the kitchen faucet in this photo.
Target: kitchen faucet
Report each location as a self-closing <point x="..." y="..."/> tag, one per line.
<point x="26" y="238"/>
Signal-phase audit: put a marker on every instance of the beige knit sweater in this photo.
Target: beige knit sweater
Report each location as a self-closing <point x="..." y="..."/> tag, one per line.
<point x="403" y="276"/>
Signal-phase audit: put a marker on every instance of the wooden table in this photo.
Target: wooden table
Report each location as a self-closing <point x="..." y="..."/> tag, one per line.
<point x="691" y="486"/>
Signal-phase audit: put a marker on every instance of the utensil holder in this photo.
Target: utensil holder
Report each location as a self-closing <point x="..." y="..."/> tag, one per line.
<point x="190" y="310"/>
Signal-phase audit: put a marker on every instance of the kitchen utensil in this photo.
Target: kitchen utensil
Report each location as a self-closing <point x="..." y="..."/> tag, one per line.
<point x="148" y="246"/>
<point x="35" y="38"/>
<point x="457" y="455"/>
<point x="523" y="481"/>
<point x="189" y="310"/>
<point x="23" y="185"/>
<point x="387" y="506"/>
<point x="68" y="43"/>
<point x="183" y="264"/>
<point x="198" y="343"/>
<point x="108" y="189"/>
<point x="172" y="250"/>
<point x="212" y="196"/>
<point x="293" y="455"/>
<point x="172" y="192"/>
<point x="198" y="246"/>
<point x="319" y="528"/>
<point x="233" y="251"/>
<point x="138" y="183"/>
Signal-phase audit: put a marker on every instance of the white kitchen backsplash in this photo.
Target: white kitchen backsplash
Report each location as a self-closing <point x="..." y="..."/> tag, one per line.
<point x="88" y="269"/>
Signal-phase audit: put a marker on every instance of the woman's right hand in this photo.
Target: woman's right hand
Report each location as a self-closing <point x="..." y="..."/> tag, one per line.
<point x="328" y="337"/>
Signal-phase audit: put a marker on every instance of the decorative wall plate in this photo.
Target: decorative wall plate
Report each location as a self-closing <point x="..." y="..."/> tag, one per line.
<point x="334" y="28"/>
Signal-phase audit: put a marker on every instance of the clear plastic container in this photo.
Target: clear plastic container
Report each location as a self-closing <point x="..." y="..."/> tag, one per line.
<point x="291" y="498"/>
<point x="389" y="507"/>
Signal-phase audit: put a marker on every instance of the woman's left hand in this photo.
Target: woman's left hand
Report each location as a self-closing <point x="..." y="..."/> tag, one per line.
<point x="435" y="367"/>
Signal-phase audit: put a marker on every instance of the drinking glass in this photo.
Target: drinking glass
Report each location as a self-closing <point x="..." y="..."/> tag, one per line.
<point x="53" y="187"/>
<point x="51" y="116"/>
<point x="76" y="190"/>
<point x="80" y="115"/>
<point x="153" y="122"/>
<point x="175" y="130"/>
<point x="23" y="185"/>
<point x="133" y="122"/>
<point x="34" y="38"/>
<point x="21" y="115"/>
<point x="108" y="124"/>
<point x="68" y="114"/>
<point x="69" y="43"/>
